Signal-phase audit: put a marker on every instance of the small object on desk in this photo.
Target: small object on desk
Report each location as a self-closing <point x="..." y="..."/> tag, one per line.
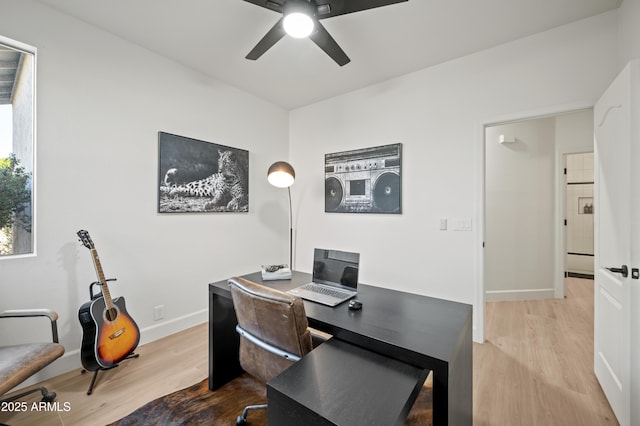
<point x="355" y="305"/>
<point x="276" y="272"/>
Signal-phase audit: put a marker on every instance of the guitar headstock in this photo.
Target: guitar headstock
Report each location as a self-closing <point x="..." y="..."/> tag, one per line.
<point x="85" y="239"/>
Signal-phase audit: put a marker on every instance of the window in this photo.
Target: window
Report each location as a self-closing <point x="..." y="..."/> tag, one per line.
<point x="17" y="142"/>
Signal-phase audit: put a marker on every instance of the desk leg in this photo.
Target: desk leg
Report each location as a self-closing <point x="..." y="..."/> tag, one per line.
<point x="453" y="385"/>
<point x="440" y="396"/>
<point x="224" y="342"/>
<point x="460" y="378"/>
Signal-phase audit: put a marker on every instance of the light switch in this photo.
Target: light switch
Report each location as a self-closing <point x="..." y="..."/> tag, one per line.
<point x="462" y="224"/>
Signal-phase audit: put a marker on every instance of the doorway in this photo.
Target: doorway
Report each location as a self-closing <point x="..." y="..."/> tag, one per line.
<point x="579" y="226"/>
<point x="524" y="254"/>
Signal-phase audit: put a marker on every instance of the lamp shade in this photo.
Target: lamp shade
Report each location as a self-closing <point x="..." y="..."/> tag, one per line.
<point x="281" y="174"/>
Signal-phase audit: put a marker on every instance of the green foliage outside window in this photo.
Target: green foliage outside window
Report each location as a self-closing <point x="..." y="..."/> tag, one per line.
<point x="15" y="195"/>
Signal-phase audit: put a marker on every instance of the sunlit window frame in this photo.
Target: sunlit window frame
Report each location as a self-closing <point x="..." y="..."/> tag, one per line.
<point x="25" y="48"/>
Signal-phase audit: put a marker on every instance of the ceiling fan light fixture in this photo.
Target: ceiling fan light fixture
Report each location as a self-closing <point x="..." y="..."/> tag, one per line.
<point x="301" y="18"/>
<point x="298" y="25"/>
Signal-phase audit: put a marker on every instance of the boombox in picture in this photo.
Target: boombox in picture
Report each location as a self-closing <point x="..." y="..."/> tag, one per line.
<point x="364" y="180"/>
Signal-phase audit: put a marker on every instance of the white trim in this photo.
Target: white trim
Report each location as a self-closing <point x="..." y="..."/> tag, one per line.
<point x="167" y="328"/>
<point x="527" y="294"/>
<point x="537" y="113"/>
<point x="559" y="228"/>
<point x="18" y="45"/>
<point x="478" y="325"/>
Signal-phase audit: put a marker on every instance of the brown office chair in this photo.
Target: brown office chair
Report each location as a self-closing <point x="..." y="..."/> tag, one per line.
<point x="19" y="362"/>
<point x="273" y="331"/>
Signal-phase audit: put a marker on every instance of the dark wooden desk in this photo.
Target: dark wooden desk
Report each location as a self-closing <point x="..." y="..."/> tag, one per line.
<point x="429" y="333"/>
<point x="343" y="384"/>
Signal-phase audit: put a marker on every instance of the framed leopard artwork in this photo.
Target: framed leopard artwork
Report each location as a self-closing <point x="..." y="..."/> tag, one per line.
<point x="199" y="176"/>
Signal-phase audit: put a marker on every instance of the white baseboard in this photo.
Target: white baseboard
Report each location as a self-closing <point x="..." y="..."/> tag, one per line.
<point x="527" y="294"/>
<point x="71" y="359"/>
<point x="476" y="336"/>
<point x="167" y="328"/>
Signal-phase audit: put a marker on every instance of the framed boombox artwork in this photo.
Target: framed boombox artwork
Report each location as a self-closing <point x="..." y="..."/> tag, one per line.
<point x="367" y="180"/>
<point x="199" y="176"/>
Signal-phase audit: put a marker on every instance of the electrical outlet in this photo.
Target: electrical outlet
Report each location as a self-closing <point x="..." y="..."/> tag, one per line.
<point x="158" y="312"/>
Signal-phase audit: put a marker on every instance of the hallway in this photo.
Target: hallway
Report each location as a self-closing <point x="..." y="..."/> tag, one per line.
<point x="536" y="365"/>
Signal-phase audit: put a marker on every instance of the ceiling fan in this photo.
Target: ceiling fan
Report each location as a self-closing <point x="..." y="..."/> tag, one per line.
<point x="301" y="18"/>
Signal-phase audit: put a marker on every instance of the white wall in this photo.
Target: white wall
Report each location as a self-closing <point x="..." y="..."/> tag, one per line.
<point x="438" y="115"/>
<point x="525" y="201"/>
<point x="100" y="103"/>
<point x="574" y="132"/>
<point x="629" y="47"/>
<point x="519" y="231"/>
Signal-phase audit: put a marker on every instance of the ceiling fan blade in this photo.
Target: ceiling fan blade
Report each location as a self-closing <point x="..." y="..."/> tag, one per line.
<point x="270" y="38"/>
<point x="276" y="5"/>
<point x="323" y="39"/>
<point x="329" y="8"/>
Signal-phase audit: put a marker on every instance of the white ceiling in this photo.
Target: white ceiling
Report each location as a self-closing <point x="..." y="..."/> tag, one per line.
<point x="214" y="36"/>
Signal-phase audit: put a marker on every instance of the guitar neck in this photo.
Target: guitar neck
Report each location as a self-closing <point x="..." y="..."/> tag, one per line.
<point x="105" y="288"/>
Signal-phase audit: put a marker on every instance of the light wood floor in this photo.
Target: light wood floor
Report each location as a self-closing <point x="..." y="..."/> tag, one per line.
<point x="536" y="368"/>
<point x="164" y="366"/>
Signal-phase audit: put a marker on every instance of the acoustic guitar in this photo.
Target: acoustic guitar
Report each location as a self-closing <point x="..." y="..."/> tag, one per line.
<point x="109" y="334"/>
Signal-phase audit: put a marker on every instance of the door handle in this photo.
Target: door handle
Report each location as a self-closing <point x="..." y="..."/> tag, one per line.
<point x="621" y="270"/>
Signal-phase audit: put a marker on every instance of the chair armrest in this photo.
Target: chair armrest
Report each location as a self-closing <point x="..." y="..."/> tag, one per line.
<point x="318" y="337"/>
<point x="266" y="346"/>
<point x="23" y="313"/>
<point x="53" y="315"/>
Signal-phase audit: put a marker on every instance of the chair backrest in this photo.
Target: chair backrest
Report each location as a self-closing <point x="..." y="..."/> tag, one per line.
<point x="275" y="318"/>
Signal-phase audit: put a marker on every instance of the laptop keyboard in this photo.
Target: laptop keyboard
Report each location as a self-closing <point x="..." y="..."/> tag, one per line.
<point x="324" y="290"/>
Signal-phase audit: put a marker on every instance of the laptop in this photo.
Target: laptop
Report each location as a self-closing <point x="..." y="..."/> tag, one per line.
<point x="334" y="278"/>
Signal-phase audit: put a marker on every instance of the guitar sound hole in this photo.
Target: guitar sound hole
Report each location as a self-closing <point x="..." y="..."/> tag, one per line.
<point x="111" y="314"/>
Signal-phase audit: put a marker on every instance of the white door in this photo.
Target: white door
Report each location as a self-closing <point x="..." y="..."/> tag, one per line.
<point x="613" y="186"/>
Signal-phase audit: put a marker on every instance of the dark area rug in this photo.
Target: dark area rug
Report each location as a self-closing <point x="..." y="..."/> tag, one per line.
<point x="197" y="405"/>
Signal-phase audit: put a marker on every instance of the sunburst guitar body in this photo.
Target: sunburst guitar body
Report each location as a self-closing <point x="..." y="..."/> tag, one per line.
<point x="109" y="334"/>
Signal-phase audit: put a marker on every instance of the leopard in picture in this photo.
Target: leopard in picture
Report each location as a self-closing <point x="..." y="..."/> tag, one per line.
<point x="227" y="188"/>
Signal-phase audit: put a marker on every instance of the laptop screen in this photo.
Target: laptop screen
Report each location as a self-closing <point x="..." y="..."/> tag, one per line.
<point x="336" y="267"/>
